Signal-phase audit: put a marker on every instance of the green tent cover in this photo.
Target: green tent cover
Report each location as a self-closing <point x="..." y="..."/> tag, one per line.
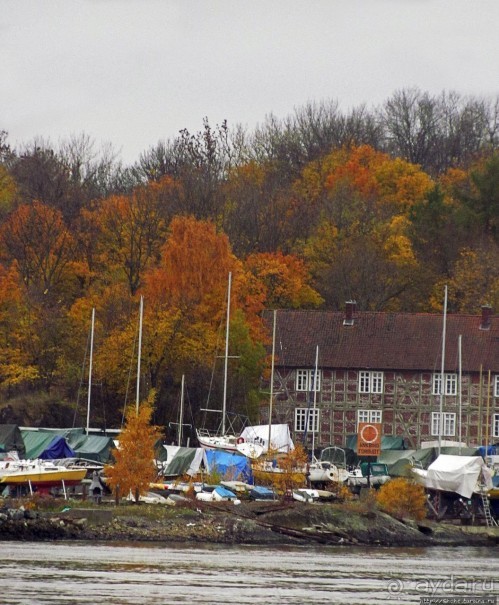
<point x="388" y="442"/>
<point x="91" y="447"/>
<point x="399" y="462"/>
<point x="11" y="439"/>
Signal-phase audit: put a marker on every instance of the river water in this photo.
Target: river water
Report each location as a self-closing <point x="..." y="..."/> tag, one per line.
<point x="59" y="573"/>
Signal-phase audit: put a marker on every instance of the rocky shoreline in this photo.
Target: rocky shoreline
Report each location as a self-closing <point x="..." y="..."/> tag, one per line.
<point x="223" y="523"/>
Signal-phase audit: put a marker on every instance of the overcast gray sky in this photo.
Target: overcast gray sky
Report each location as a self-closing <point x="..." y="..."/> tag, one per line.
<point x="132" y="72"/>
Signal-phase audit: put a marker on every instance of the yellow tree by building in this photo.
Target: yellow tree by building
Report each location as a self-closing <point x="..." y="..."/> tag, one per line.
<point x="134" y="469"/>
<point x="402" y="499"/>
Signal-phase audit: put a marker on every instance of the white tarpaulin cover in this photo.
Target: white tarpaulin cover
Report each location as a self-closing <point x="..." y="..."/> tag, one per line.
<point x="280" y="437"/>
<point x="458" y="474"/>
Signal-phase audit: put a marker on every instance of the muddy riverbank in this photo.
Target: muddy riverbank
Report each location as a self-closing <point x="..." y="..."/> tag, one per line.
<point x="225" y="523"/>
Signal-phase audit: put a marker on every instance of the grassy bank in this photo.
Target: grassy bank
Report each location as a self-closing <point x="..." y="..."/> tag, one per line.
<point x="248" y="523"/>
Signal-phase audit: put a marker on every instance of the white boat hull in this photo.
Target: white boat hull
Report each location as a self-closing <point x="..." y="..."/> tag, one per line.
<point x="227" y="443"/>
<point x="39" y="473"/>
<point x="305" y="495"/>
<point x="250" y="450"/>
<point x="325" y="472"/>
<point x="374" y="480"/>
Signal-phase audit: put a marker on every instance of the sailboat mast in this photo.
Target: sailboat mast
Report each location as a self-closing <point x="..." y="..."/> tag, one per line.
<point x="487" y="417"/>
<point x="314" y="386"/>
<point x="90" y="368"/>
<point x="180" y="423"/>
<point x="460" y="356"/>
<point x="224" y="406"/>
<point x="272" y="379"/>
<point x="442" y="377"/>
<point x="139" y="354"/>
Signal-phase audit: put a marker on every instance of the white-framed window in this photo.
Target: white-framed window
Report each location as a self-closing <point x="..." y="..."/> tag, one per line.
<point x="306" y="419"/>
<point x="368" y="416"/>
<point x="306" y="379"/>
<point x="448" y="426"/>
<point x="450" y="381"/>
<point x="370" y="382"/>
<point x="496" y="385"/>
<point x="495" y="425"/>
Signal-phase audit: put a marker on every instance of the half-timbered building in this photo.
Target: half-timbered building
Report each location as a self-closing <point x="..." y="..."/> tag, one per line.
<point x="333" y="370"/>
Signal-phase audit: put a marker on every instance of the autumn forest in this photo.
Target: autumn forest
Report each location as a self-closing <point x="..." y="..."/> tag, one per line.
<point x="382" y="205"/>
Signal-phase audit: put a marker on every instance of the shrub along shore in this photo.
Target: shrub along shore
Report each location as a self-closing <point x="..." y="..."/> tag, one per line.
<point x="261" y="523"/>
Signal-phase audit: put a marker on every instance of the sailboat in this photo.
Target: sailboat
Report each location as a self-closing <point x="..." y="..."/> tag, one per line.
<point x="180" y="424"/>
<point x="39" y="473"/>
<point x="267" y="439"/>
<point x="225" y="439"/>
<point x="252" y="442"/>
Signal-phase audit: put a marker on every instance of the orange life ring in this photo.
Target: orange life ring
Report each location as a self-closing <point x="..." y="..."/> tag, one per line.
<point x="240" y="440"/>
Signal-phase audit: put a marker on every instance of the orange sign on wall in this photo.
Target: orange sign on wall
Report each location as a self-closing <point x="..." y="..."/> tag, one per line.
<point x="369" y="439"/>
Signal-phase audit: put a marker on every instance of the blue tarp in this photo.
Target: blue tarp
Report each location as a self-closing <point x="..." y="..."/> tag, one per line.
<point x="233" y="467"/>
<point x="36" y="442"/>
<point x="225" y="493"/>
<point x="490" y="450"/>
<point x="90" y="447"/>
<point x="262" y="493"/>
<point x="57" y="449"/>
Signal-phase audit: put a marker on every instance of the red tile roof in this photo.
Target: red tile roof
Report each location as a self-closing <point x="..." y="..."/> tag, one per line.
<point x="384" y="341"/>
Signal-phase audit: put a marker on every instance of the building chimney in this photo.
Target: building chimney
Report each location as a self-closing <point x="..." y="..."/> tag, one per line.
<point x="350" y="307"/>
<point x="486" y="315"/>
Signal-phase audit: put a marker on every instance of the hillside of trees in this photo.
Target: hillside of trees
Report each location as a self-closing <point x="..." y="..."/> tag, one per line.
<point x="382" y="205"/>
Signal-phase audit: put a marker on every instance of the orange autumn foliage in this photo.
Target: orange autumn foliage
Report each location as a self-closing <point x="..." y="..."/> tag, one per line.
<point x="16" y="367"/>
<point x="131" y="233"/>
<point x="37" y="239"/>
<point x="195" y="263"/>
<point x="402" y="499"/>
<point x="285" y="280"/>
<point x="134" y="469"/>
<point x="357" y="170"/>
<point x="292" y="470"/>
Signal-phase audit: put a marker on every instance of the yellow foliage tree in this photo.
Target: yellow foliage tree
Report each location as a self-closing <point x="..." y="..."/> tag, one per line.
<point x="474" y="280"/>
<point x="400" y="183"/>
<point x="285" y="280"/>
<point x="291" y="473"/>
<point x="131" y="234"/>
<point x="16" y="363"/>
<point x="8" y="190"/>
<point x="133" y="469"/>
<point x="402" y="498"/>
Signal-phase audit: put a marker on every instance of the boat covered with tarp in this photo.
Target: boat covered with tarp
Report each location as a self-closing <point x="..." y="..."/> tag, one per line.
<point x="51" y="443"/>
<point x="11" y="440"/>
<point x="463" y="475"/>
<point x="176" y="461"/>
<point x="229" y="465"/>
<point x="401" y="462"/>
<point x="280" y="437"/>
